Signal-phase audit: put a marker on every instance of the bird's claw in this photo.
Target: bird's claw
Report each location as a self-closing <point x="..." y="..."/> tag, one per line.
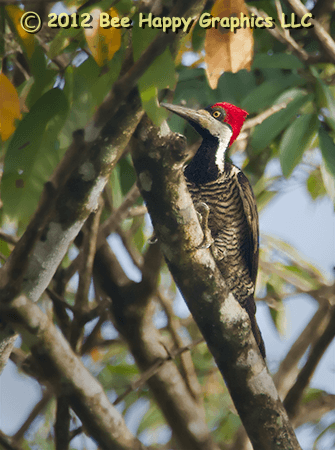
<point x="202" y="210"/>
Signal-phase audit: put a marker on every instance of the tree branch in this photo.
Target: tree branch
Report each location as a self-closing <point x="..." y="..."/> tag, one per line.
<point x="292" y="400"/>
<point x="133" y="311"/>
<point x="285" y="38"/>
<point x="64" y="370"/>
<point x="314" y="410"/>
<point x="187" y="365"/>
<point x="288" y="369"/>
<point x="7" y="443"/>
<point x="154" y="369"/>
<point x="36" y="411"/>
<point x="67" y="200"/>
<point x="321" y="34"/>
<point x="158" y="161"/>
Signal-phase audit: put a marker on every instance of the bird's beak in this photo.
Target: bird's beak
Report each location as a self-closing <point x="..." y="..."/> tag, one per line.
<point x="201" y="117"/>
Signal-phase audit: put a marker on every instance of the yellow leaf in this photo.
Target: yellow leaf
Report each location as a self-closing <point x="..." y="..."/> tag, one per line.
<point x="227" y="50"/>
<point x="9" y="107"/>
<point x="103" y="42"/>
<point x="96" y="354"/>
<point x="27" y="39"/>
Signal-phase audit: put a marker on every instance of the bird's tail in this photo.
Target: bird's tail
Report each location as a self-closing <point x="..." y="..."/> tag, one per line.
<point x="250" y="307"/>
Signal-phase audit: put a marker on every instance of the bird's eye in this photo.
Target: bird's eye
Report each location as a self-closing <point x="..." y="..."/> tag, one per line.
<point x="216" y="114"/>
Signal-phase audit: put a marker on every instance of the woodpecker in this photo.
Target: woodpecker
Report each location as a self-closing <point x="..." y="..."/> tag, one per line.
<point x="226" y="200"/>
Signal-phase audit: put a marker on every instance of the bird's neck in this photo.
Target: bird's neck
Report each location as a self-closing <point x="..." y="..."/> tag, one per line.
<point x="208" y="163"/>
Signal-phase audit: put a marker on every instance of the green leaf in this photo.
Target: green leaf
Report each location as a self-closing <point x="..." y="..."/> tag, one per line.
<point x="262" y="193"/>
<point x="234" y="87"/>
<point x="264" y="198"/>
<point x="139" y="238"/>
<point x="122" y="369"/>
<point x="198" y="37"/>
<point x="328" y="181"/>
<point x="227" y="427"/>
<point x="32" y="154"/>
<point x="312" y="394"/>
<point x="44" y="78"/>
<point x="149" y="98"/>
<point x="288" y="251"/>
<point x="86" y="86"/>
<point x="38" y="63"/>
<point x="4" y="248"/>
<point x="330" y="427"/>
<point x="327" y="148"/>
<point x="159" y="75"/>
<point x="127" y="174"/>
<point x="295" y="141"/>
<point x="278" y="315"/>
<point x="276" y="61"/>
<point x="299" y="277"/>
<point x="267" y="131"/>
<point x="152" y="419"/>
<point x="315" y="184"/>
<point x="325" y="99"/>
<point x="123" y="6"/>
<point x="264" y="95"/>
<point x="193" y="90"/>
<point x="41" y="85"/>
<point x="64" y="37"/>
<point x="115" y="184"/>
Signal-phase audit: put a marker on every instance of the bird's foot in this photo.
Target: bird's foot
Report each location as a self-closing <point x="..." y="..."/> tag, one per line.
<point x="202" y="210"/>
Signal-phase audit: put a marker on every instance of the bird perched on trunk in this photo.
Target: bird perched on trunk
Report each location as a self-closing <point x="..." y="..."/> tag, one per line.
<point x="225" y="199"/>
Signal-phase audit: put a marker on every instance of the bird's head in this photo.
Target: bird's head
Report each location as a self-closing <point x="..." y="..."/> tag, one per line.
<point x="221" y="120"/>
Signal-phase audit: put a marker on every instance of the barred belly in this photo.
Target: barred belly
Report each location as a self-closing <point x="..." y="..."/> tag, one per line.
<point x="229" y="229"/>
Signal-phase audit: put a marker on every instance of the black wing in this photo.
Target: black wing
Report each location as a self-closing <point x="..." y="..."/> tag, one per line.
<point x="250" y="210"/>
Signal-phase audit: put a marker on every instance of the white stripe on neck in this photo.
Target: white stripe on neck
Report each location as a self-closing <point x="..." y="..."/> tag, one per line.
<point x="224" y="138"/>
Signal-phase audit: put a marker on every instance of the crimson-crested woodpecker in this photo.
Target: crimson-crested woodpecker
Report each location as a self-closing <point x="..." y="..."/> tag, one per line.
<point x="225" y="192"/>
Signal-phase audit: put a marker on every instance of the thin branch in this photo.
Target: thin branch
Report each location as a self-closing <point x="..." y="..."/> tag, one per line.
<point x="116" y="218"/>
<point x="36" y="411"/>
<point x="62" y="424"/>
<point x="250" y="123"/>
<point x="292" y="400"/>
<point x="59" y="300"/>
<point x="89" y="248"/>
<point x="280" y="14"/>
<point x="127" y="238"/>
<point x="323" y="37"/>
<point x="185" y="358"/>
<point x="135" y="211"/>
<point x="288" y="369"/>
<point x="7" y="341"/>
<point x="7" y="443"/>
<point x="85" y="274"/>
<point x="8" y="238"/>
<point x="145" y="376"/>
<point x="76" y="432"/>
<point x="314" y="410"/>
<point x="282" y="37"/>
<point x="90" y="341"/>
<point x="71" y="269"/>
